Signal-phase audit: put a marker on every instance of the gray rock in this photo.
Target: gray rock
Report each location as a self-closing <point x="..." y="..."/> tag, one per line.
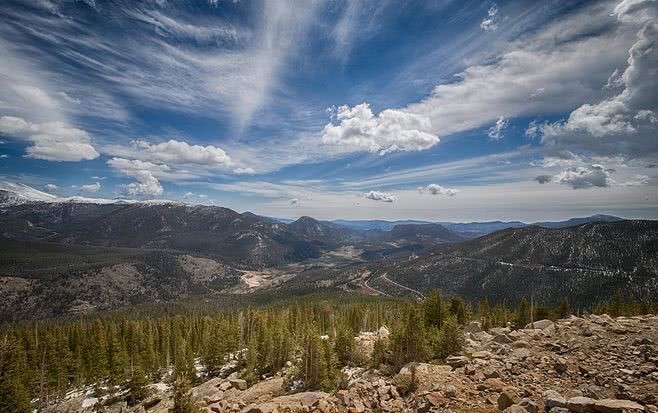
<point x="540" y="325"/>
<point x="239" y="384"/>
<point x="529" y="406"/>
<point x="554" y="399"/>
<point x="617" y="406"/>
<point x="581" y="404"/>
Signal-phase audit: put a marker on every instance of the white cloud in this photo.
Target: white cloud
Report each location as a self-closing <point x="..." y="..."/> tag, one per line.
<point x="180" y="152"/>
<point x="637" y="180"/>
<point x="582" y="177"/>
<point x="4" y="156"/>
<point x="624" y="123"/>
<point x="91" y="188"/>
<point x="380" y="196"/>
<point x="435" y="189"/>
<point x="495" y="132"/>
<point x="146" y="185"/>
<point x="390" y="131"/>
<point x="188" y="195"/>
<point x="144" y="173"/>
<point x="50" y="187"/>
<point x="568" y="60"/>
<point x="244" y="171"/>
<point x="490" y="23"/>
<point x="52" y="141"/>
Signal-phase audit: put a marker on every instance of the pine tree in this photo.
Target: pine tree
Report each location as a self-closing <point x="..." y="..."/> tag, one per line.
<point x="183" y="402"/>
<point x="483" y="313"/>
<point x="451" y="339"/>
<point x="458" y="309"/>
<point x="344" y="346"/>
<point x="434" y="309"/>
<point x="522" y="314"/>
<point x="118" y="363"/>
<point x="137" y="390"/>
<point x="311" y="369"/>
<point x="563" y="310"/>
<point x="13" y="395"/>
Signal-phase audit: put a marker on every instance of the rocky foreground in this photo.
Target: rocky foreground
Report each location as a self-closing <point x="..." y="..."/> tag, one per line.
<point x="581" y="365"/>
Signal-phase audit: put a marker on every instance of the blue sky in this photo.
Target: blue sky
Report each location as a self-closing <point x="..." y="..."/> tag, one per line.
<point x="440" y="110"/>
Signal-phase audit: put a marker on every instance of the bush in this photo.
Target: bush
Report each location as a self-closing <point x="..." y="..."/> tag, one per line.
<point x="406" y="383"/>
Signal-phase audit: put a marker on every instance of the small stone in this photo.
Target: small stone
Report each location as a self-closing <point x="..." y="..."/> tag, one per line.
<point x="506" y="399"/>
<point x="450" y="391"/>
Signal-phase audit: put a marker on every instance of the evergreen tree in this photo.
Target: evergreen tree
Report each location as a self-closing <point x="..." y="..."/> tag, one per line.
<point x="483" y="313"/>
<point x="183" y="402"/>
<point x="522" y="314"/>
<point x="13" y="395"/>
<point x="137" y="390"/>
<point x="458" y="310"/>
<point x="434" y="309"/>
<point x="344" y="346"/>
<point x="311" y="368"/>
<point x="451" y="339"/>
<point x="563" y="310"/>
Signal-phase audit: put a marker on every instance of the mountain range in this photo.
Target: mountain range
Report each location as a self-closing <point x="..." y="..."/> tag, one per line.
<point x="62" y="256"/>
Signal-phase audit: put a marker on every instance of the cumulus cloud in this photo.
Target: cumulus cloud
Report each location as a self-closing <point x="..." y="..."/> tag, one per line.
<point x="380" y="196"/>
<point x="146" y="185"/>
<point x="626" y="122"/>
<point x="390" y="131"/>
<point x="51" y="141"/>
<point x="435" y="189"/>
<point x="50" y="187"/>
<point x="495" y="132"/>
<point x="181" y="152"/>
<point x="144" y="173"/>
<point x="490" y="23"/>
<point x="583" y="177"/>
<point x="91" y="188"/>
<point x="188" y="195"/>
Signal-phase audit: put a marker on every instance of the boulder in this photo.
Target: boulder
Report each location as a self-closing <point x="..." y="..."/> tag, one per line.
<point x="581" y="404"/>
<point x="617" y="406"/>
<point x="553" y="399"/>
<point x="473" y="327"/>
<point x="239" y="384"/>
<point x="503" y="339"/>
<point x="540" y="325"/>
<point x="515" y="408"/>
<point x="529" y="406"/>
<point x="457" y="361"/>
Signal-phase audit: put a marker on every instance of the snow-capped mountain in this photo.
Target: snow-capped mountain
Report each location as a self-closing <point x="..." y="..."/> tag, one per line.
<point x="16" y="193"/>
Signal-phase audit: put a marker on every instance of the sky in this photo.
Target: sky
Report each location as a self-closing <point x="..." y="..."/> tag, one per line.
<point x="436" y="110"/>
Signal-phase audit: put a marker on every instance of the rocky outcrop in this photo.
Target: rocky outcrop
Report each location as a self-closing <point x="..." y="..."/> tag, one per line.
<point x="552" y="367"/>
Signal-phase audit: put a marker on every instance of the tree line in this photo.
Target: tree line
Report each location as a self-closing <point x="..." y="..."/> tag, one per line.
<point x="43" y="360"/>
